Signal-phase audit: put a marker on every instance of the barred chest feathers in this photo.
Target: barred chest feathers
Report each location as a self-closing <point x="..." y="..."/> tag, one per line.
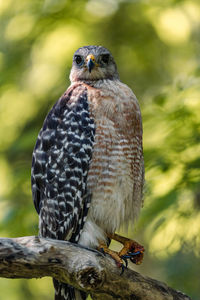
<point x="113" y="177"/>
<point x="87" y="167"/>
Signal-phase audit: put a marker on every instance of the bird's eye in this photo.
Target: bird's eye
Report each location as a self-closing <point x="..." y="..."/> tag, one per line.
<point x="78" y="59"/>
<point x="105" y="58"/>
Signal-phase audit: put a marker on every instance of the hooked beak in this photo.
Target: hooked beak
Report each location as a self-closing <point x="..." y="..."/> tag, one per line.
<point x="90" y="60"/>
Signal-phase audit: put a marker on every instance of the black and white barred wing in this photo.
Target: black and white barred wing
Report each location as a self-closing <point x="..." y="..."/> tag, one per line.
<point x="60" y="166"/>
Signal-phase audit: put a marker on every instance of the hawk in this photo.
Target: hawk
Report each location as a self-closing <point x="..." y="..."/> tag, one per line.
<point x="87" y="166"/>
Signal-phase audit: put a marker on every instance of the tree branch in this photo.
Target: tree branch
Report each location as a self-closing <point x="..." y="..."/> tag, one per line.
<point x="85" y="269"/>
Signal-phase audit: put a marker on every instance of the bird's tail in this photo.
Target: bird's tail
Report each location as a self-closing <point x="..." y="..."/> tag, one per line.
<point x="65" y="291"/>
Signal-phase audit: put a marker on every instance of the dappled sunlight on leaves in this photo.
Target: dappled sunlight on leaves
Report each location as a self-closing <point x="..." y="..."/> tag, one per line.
<point x="102" y="8"/>
<point x="179" y="229"/>
<point x="156" y="45"/>
<point x="16" y="108"/>
<point x="174" y="24"/>
<point x="19" y="27"/>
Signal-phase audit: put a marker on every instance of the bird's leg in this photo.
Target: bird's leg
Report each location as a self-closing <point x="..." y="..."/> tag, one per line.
<point x="114" y="254"/>
<point x="131" y="249"/>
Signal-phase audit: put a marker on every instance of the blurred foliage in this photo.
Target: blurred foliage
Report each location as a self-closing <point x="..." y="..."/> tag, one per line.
<point x="156" y="46"/>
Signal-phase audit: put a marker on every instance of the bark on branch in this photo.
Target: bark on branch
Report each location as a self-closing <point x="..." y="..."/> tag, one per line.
<point x="85" y="269"/>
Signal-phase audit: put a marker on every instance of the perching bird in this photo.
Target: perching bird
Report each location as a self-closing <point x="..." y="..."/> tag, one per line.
<point x="87" y="168"/>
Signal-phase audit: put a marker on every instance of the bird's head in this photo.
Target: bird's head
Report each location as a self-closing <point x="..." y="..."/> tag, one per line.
<point x="92" y="63"/>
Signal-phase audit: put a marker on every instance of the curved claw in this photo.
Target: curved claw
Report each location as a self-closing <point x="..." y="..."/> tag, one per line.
<point x="123" y="268"/>
<point x="102" y="251"/>
<point x="125" y="260"/>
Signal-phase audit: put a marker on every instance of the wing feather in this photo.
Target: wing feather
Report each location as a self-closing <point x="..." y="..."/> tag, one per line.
<point x="60" y="166"/>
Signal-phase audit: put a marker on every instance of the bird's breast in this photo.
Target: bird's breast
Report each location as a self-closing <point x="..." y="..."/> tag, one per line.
<point x="110" y="177"/>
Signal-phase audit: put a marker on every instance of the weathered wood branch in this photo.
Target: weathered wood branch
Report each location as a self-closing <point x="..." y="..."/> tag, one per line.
<point x="85" y="269"/>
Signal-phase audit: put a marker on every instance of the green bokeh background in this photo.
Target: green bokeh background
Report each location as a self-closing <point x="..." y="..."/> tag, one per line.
<point x="156" y="45"/>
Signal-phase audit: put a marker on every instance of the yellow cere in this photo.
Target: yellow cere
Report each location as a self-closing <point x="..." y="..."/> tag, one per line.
<point x="90" y="56"/>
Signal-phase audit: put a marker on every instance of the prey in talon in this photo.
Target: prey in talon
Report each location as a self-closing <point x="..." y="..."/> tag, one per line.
<point x="131" y="250"/>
